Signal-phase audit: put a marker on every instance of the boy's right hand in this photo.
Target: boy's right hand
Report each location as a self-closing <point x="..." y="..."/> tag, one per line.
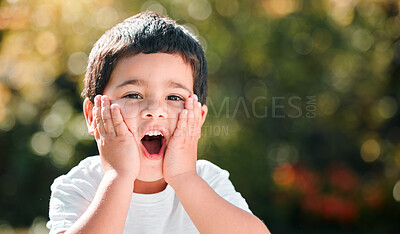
<point x="117" y="144"/>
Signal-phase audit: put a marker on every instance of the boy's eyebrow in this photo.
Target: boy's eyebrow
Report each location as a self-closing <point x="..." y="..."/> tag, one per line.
<point x="137" y="82"/>
<point x="178" y="85"/>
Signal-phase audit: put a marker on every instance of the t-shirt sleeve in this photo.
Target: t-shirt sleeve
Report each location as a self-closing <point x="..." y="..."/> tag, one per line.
<point x="218" y="179"/>
<point x="71" y="195"/>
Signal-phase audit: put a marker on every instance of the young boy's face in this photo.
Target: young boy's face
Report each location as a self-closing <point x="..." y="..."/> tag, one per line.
<point x="151" y="90"/>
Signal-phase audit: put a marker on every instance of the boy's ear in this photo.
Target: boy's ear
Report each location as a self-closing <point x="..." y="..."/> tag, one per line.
<point x="204" y="111"/>
<point x="88" y="112"/>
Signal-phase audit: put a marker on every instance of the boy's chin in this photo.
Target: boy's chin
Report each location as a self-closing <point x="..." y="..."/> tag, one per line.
<point x="150" y="170"/>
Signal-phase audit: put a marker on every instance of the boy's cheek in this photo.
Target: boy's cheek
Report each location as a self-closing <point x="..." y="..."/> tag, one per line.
<point x="129" y="110"/>
<point x="132" y="125"/>
<point x="173" y="123"/>
<point x="129" y="114"/>
<point x="174" y="111"/>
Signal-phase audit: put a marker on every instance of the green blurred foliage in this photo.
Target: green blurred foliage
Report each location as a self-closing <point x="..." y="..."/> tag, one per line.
<point x="303" y="104"/>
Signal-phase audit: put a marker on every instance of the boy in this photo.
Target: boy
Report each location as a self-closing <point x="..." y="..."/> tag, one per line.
<point x="145" y="93"/>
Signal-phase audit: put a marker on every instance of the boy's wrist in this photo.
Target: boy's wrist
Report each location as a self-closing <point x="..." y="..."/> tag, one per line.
<point x="182" y="179"/>
<point x="124" y="177"/>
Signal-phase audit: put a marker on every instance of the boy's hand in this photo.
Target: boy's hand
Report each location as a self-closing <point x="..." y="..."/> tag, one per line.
<point x="181" y="154"/>
<point x="117" y="144"/>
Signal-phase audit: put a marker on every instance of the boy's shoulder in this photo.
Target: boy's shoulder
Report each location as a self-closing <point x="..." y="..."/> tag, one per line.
<point x="209" y="171"/>
<point x="82" y="179"/>
<point x="205" y="166"/>
<point x="88" y="166"/>
<point x="89" y="170"/>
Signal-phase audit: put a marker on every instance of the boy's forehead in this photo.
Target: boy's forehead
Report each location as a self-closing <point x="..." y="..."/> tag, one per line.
<point x="152" y="69"/>
<point x="170" y="83"/>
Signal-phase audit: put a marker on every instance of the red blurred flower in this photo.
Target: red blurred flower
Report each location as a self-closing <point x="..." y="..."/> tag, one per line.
<point x="343" y="178"/>
<point x="339" y="209"/>
<point x="284" y="174"/>
<point x="307" y="181"/>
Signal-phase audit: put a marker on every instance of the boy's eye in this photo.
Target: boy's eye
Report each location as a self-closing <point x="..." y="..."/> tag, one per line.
<point x="133" y="96"/>
<point x="174" y="98"/>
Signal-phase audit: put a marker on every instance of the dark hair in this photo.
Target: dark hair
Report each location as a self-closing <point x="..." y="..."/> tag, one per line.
<point x="146" y="32"/>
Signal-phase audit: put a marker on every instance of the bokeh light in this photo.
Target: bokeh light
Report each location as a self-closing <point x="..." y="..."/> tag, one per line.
<point x="387" y="107"/>
<point x="370" y="150"/>
<point x="322" y="39"/>
<point x="341" y="12"/>
<point x="38" y="226"/>
<point x="328" y="103"/>
<point x="61" y="152"/>
<point x="280" y="8"/>
<point x="284" y="174"/>
<point x="53" y="125"/>
<point x="199" y="9"/>
<point x="153" y="6"/>
<point x="362" y="40"/>
<point x="302" y="43"/>
<point x="7" y="119"/>
<point x="396" y="191"/>
<point x="26" y="112"/>
<point x="46" y="43"/>
<point x="43" y="15"/>
<point x="41" y="143"/>
<point x="77" y="63"/>
<point x="227" y="8"/>
<point x="106" y="17"/>
<point x="5" y="96"/>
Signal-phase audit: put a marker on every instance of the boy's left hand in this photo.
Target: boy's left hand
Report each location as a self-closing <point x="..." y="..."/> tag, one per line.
<point x="181" y="154"/>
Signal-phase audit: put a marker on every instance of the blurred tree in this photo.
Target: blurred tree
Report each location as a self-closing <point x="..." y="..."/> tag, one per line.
<point x="303" y="106"/>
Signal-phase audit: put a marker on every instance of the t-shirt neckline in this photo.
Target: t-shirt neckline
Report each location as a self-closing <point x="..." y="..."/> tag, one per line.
<point x="154" y="197"/>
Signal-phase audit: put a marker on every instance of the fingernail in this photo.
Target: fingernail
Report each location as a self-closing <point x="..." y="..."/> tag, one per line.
<point x="190" y="100"/>
<point x="199" y="104"/>
<point x="195" y="97"/>
<point x="185" y="112"/>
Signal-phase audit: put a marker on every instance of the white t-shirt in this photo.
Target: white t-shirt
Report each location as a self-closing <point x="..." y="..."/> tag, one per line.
<point x="148" y="213"/>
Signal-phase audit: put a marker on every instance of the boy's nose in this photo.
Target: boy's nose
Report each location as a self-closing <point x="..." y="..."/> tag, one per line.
<point x="154" y="110"/>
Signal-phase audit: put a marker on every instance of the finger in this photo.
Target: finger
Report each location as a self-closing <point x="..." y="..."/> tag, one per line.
<point x="99" y="121"/>
<point x="96" y="134"/>
<point x="197" y="114"/>
<point x="191" y="117"/>
<point x="106" y="116"/>
<point x="181" y="127"/>
<point x="96" y="108"/>
<point x="120" y="127"/>
<point x="189" y="102"/>
<point x="95" y="119"/>
<point x="196" y="108"/>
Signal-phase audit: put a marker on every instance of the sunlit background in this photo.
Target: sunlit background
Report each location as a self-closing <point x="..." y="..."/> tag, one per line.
<point x="303" y="105"/>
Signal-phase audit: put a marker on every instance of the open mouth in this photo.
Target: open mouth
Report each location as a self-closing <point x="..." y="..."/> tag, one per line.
<point x="153" y="143"/>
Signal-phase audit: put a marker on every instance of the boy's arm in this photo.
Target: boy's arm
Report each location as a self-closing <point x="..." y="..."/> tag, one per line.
<point x="120" y="160"/>
<point x="209" y="212"/>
